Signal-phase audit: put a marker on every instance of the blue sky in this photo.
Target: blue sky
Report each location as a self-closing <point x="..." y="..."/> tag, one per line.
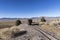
<point x="29" y="8"/>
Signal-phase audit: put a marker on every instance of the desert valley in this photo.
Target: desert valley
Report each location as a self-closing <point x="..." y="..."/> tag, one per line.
<point x="37" y="28"/>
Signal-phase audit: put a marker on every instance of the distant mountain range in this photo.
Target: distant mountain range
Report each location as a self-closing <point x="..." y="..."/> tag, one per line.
<point x="28" y="18"/>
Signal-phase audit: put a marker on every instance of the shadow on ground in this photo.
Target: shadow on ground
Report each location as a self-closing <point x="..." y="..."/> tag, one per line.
<point x="19" y="34"/>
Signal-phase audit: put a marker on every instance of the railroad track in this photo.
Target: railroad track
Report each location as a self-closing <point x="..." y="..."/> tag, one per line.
<point x="44" y="33"/>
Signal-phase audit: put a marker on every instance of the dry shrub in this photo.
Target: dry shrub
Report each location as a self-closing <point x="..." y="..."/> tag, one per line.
<point x="55" y="23"/>
<point x="58" y="23"/>
<point x="6" y="34"/>
<point x="18" y="22"/>
<point x="41" y="23"/>
<point x="43" y="19"/>
<point x="44" y="23"/>
<point x="30" y="21"/>
<point x="52" y="22"/>
<point x="15" y="29"/>
<point x="9" y="32"/>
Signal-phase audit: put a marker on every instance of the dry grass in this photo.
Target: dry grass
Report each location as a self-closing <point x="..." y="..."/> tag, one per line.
<point x="6" y="29"/>
<point x="51" y="28"/>
<point x="6" y="24"/>
<point x="7" y="33"/>
<point x="15" y="29"/>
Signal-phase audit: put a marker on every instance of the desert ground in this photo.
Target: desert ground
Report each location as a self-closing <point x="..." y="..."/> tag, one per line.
<point x="49" y="30"/>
